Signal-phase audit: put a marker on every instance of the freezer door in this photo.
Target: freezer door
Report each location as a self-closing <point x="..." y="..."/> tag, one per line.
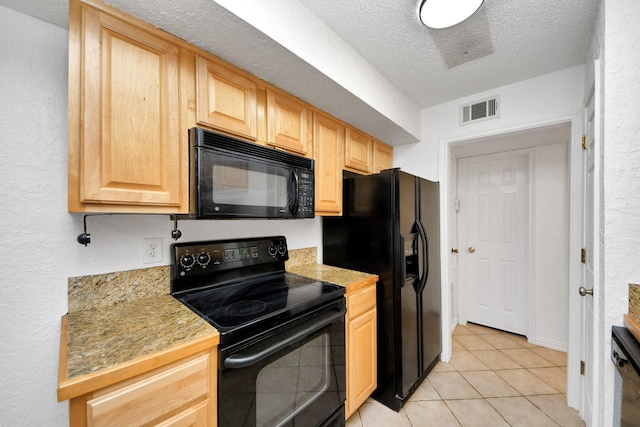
<point x="409" y="346"/>
<point x="430" y="298"/>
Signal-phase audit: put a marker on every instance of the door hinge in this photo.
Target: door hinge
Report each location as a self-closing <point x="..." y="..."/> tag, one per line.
<point x="583" y="255"/>
<point x="456" y="205"/>
<point x="582" y="367"/>
<point x="584" y="142"/>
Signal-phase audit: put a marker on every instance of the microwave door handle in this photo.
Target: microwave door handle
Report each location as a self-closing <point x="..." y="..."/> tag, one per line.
<point x="296" y="185"/>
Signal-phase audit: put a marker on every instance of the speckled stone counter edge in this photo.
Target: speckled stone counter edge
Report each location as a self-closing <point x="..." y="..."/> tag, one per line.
<point x="634" y="301"/>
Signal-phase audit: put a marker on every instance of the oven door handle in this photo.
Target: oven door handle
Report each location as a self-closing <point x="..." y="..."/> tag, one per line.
<point x="273" y="345"/>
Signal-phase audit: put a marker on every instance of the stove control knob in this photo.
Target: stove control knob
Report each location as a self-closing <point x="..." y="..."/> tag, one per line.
<point x="204" y="258"/>
<point x="282" y="248"/>
<point x="273" y="249"/>
<point x="187" y="261"/>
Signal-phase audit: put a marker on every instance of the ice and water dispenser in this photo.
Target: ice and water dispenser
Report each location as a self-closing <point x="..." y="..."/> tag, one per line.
<point x="411" y="260"/>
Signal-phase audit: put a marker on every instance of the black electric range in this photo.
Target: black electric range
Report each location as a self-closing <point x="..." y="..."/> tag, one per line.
<point x="241" y="286"/>
<point x="281" y="358"/>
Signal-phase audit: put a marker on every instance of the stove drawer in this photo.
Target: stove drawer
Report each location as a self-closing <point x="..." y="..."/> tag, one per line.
<point x="153" y="397"/>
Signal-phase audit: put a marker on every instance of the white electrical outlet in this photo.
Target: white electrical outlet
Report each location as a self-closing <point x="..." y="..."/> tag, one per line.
<point x="152" y="250"/>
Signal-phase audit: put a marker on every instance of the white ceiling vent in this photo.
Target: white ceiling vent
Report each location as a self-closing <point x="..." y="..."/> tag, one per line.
<point x="479" y="111"/>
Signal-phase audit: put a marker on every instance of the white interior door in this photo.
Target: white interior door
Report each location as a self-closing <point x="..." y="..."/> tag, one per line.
<point x="588" y="350"/>
<point x="494" y="213"/>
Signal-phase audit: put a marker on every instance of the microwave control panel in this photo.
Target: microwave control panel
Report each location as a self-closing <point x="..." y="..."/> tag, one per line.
<point x="306" y="202"/>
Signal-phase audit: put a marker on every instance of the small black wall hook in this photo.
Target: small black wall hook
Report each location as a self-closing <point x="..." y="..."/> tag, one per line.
<point x="175" y="233"/>
<point x="84" y="238"/>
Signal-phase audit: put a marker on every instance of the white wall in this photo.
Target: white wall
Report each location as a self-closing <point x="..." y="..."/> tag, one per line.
<point x="37" y="233"/>
<point x="621" y="175"/>
<point x="550" y="267"/>
<point x="38" y="249"/>
<point x="542" y="100"/>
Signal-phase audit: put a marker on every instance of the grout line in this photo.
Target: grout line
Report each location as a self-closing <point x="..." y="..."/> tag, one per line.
<point x="469" y="332"/>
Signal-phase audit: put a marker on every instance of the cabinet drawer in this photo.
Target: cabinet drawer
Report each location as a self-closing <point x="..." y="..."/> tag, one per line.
<point x="153" y="397"/>
<point x="195" y="416"/>
<point x="361" y="301"/>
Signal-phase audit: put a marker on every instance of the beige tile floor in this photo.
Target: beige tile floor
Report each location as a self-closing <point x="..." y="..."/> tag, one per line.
<point x="494" y="378"/>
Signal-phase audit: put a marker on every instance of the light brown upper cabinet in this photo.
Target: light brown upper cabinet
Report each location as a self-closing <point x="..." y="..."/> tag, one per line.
<point x="226" y="100"/>
<point x="358" y="152"/>
<point x="328" y="139"/>
<point x="134" y="91"/>
<point x="127" y="151"/>
<point x="382" y="156"/>
<point x="288" y="123"/>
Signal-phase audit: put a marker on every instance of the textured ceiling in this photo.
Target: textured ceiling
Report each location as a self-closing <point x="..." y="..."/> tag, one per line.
<point x="505" y="42"/>
<point x="529" y="38"/>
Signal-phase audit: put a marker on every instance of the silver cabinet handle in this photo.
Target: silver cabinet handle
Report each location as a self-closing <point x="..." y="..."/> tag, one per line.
<point x="584" y="291"/>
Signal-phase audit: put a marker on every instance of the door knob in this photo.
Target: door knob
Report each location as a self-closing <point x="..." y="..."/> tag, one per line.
<point x="584" y="291"/>
<point x="454" y="250"/>
<point x="471" y="249"/>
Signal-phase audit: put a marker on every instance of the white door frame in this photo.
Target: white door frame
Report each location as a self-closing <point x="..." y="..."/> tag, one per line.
<point x="575" y="242"/>
<point x="598" y="359"/>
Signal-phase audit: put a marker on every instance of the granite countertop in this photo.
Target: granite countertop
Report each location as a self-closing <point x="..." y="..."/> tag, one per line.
<point x="634" y="301"/>
<point x="105" y="337"/>
<point x="352" y="280"/>
<point x="136" y="330"/>
<point x="119" y="323"/>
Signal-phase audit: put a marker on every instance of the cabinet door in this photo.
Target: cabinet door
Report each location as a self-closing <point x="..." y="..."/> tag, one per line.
<point x="358" y="153"/>
<point x="361" y="360"/>
<point x="328" y="140"/>
<point x="287" y="123"/>
<point x="126" y="147"/>
<point x="226" y="100"/>
<point x="382" y="156"/>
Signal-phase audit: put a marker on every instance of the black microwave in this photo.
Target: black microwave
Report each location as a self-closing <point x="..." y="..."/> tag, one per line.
<point x="231" y="178"/>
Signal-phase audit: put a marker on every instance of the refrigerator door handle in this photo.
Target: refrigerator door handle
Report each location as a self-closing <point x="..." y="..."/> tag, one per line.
<point x="403" y="265"/>
<point x="425" y="255"/>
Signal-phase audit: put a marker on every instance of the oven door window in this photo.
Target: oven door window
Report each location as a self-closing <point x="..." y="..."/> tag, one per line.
<point x="234" y="186"/>
<point x="302" y="384"/>
<point x="286" y="386"/>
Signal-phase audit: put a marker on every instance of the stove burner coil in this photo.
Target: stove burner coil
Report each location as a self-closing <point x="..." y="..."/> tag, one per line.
<point x="245" y="308"/>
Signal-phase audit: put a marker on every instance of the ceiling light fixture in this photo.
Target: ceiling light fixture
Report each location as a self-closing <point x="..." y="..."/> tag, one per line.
<point x="447" y="13"/>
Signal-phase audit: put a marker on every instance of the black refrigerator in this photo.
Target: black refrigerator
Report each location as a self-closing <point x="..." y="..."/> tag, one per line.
<point x="390" y="227"/>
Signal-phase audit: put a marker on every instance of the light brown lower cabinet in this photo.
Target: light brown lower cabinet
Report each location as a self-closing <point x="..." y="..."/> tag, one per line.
<point x="179" y="394"/>
<point x="361" y="347"/>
